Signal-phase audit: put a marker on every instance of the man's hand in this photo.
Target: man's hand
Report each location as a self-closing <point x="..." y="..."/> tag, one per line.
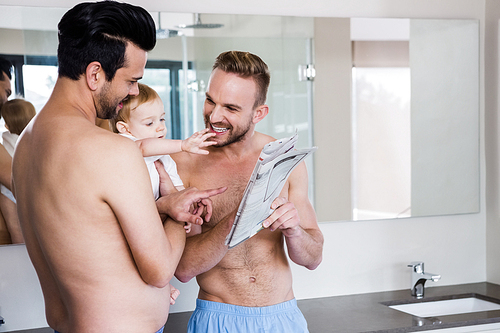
<point x="178" y="205"/>
<point x="285" y="217"/>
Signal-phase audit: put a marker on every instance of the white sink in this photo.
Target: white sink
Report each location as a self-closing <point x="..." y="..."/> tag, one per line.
<point x="484" y="328"/>
<point x="447" y="307"/>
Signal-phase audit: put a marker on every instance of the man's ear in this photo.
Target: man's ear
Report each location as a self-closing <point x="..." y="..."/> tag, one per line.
<point x="122" y="127"/>
<point x="94" y="75"/>
<point x="260" y="113"/>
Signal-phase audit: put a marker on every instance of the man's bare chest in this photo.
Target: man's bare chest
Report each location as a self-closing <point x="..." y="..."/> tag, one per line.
<point x="234" y="177"/>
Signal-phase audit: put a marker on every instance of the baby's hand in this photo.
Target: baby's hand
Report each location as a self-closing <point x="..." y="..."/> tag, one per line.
<point x="187" y="227"/>
<point x="196" y="142"/>
<point x="174" y="293"/>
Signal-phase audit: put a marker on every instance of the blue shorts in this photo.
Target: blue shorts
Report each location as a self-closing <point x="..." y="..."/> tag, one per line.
<point x="218" y="317"/>
<point x="159" y="331"/>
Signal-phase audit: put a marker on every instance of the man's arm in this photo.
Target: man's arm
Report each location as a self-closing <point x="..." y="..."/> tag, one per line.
<point x="5" y="168"/>
<point x="296" y="219"/>
<point x="178" y="205"/>
<point x="210" y="244"/>
<point x="9" y="212"/>
<point x="155" y="247"/>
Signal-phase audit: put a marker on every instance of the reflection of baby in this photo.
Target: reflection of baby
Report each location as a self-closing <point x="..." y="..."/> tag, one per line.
<point x="17" y="113"/>
<point x="142" y="119"/>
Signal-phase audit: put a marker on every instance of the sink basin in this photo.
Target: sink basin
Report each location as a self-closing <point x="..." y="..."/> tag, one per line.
<point x="447" y="307"/>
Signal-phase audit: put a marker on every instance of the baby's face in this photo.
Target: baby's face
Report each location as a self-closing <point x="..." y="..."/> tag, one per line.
<point x="148" y="120"/>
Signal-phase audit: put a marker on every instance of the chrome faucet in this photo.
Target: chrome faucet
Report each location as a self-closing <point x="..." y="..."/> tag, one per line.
<point x="418" y="278"/>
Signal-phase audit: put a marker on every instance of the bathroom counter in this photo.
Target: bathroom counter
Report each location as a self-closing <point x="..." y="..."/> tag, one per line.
<point x="365" y="313"/>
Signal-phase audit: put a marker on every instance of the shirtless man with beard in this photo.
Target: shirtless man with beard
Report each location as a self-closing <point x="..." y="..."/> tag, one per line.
<point x="249" y="287"/>
<point x="103" y="256"/>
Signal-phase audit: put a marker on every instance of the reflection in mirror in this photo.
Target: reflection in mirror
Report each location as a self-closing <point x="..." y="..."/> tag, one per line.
<point x="415" y="120"/>
<point x="432" y="135"/>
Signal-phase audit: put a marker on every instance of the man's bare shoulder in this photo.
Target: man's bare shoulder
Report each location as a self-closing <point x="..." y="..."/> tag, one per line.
<point x="262" y="139"/>
<point x="103" y="145"/>
<point x="112" y="144"/>
<point x="117" y="158"/>
<point x="76" y="144"/>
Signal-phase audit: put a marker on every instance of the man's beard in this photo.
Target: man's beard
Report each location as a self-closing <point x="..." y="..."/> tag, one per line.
<point x="232" y="137"/>
<point x="106" y="108"/>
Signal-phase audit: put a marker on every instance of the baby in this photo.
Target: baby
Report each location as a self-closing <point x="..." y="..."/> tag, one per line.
<point x="17" y="113"/>
<point x="142" y="119"/>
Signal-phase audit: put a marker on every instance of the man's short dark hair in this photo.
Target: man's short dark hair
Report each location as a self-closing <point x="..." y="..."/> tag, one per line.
<point x="5" y="67"/>
<point x="100" y="31"/>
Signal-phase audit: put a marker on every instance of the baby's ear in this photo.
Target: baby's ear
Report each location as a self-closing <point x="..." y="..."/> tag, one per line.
<point x="122" y="127"/>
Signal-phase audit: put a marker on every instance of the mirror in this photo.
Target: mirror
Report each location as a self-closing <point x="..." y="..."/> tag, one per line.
<point x="435" y="136"/>
<point x="410" y="145"/>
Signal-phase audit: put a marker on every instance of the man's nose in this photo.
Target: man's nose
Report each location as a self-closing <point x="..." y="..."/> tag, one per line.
<point x="217" y="114"/>
<point x="134" y="91"/>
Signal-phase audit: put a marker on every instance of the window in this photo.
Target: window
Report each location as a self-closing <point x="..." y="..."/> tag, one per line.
<point x="39" y="78"/>
<point x="164" y="76"/>
<point x="381" y="143"/>
<point x="34" y="78"/>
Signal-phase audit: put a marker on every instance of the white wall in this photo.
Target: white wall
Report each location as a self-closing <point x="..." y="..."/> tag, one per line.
<point x="21" y="300"/>
<point x="359" y="257"/>
<point x="492" y="147"/>
<point x="332" y="118"/>
<point x="442" y="54"/>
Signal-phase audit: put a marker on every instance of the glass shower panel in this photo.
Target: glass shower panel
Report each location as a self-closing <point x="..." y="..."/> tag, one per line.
<point x="189" y="121"/>
<point x="288" y="100"/>
<point x="288" y="97"/>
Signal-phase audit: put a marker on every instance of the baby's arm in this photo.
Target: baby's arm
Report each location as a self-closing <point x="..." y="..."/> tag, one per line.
<point x="194" y="144"/>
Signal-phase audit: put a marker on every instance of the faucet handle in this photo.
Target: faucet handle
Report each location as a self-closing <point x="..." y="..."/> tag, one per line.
<point x="417" y="266"/>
